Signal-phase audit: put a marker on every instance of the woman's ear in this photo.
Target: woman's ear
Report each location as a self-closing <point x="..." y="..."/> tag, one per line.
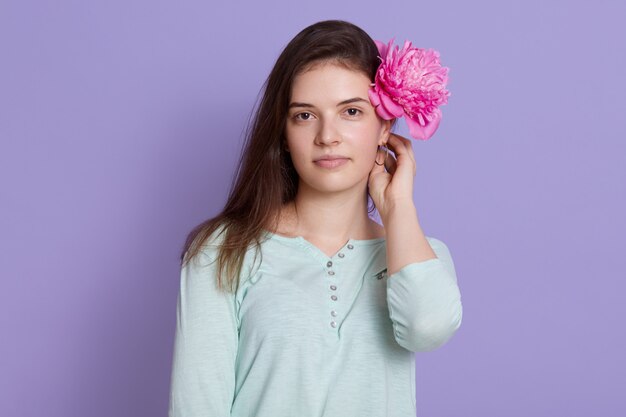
<point x="385" y="132"/>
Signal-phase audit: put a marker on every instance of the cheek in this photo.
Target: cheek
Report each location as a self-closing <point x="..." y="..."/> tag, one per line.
<point x="299" y="151"/>
<point x="294" y="141"/>
<point x="365" y="141"/>
<point x="367" y="156"/>
<point x="367" y="131"/>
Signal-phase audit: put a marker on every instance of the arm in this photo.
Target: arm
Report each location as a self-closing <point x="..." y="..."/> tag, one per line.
<point x="205" y="347"/>
<point x="422" y="293"/>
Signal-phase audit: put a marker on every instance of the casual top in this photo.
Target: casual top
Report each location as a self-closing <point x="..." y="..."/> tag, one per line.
<point x="307" y="335"/>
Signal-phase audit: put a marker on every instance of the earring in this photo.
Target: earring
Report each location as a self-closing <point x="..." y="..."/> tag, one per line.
<point x="386" y="155"/>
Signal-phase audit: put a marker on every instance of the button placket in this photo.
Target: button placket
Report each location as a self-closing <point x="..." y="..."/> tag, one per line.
<point x="333" y="287"/>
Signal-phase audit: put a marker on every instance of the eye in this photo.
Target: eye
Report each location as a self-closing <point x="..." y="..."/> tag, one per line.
<point x="296" y="116"/>
<point x="357" y="110"/>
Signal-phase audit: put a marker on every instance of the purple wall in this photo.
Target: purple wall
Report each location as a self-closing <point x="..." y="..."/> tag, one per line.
<point x="120" y="127"/>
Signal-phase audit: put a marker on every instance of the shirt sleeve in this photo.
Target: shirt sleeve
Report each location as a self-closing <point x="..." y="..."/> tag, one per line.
<point x="424" y="301"/>
<point x="205" y="347"/>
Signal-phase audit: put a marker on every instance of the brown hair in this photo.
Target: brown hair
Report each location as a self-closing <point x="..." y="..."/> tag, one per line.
<point x="266" y="178"/>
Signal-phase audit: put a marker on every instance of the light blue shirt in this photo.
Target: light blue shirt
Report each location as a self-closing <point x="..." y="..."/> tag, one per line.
<point x="307" y="335"/>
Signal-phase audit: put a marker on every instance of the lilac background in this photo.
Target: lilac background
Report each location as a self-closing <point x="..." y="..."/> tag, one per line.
<point x="120" y="126"/>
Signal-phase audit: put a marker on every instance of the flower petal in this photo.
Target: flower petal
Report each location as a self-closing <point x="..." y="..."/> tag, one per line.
<point x="391" y="106"/>
<point x="384" y="114"/>
<point x="424" y="132"/>
<point x="380" y="110"/>
<point x="382" y="49"/>
<point x="373" y="95"/>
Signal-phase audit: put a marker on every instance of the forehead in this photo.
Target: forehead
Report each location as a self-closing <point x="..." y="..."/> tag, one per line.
<point x="329" y="83"/>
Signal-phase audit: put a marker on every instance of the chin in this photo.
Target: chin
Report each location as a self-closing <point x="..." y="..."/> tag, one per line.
<point x="334" y="184"/>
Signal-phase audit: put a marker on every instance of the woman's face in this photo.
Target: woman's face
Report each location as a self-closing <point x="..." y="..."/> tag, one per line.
<point x="320" y="122"/>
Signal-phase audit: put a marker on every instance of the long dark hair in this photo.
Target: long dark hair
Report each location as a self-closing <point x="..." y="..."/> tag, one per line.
<point x="266" y="178"/>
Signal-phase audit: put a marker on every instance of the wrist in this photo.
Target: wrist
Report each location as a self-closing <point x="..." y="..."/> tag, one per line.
<point x="400" y="208"/>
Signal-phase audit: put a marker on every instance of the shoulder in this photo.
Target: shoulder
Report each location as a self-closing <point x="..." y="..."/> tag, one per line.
<point x="209" y="261"/>
<point x="205" y="248"/>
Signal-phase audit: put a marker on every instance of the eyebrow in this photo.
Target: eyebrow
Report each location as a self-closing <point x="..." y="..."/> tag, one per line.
<point x="350" y="100"/>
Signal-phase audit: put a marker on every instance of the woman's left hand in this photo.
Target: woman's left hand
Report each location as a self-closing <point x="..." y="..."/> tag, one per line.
<point x="389" y="188"/>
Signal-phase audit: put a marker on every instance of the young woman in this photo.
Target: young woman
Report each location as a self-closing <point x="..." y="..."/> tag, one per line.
<point x="293" y="302"/>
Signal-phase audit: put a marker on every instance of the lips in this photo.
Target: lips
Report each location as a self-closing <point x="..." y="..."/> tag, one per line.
<point x="330" y="158"/>
<point x="331" y="162"/>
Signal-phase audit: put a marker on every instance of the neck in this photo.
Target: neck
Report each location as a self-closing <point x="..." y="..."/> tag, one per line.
<point x="330" y="217"/>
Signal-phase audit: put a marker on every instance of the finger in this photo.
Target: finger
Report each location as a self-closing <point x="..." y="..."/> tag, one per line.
<point x="409" y="147"/>
<point x="402" y="147"/>
<point x="391" y="164"/>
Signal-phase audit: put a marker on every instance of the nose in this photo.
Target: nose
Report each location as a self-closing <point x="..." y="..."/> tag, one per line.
<point x="328" y="133"/>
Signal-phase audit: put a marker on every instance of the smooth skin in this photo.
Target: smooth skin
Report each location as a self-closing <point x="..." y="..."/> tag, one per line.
<point x="332" y="203"/>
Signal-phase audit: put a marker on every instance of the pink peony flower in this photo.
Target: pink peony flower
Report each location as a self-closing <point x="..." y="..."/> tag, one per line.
<point x="412" y="83"/>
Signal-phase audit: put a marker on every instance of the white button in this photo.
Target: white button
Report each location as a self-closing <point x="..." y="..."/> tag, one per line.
<point x="350" y="246"/>
<point x="332" y="323"/>
<point x="341" y="255"/>
<point x="333" y="287"/>
<point x="331" y="272"/>
<point x="333" y="297"/>
<point x="333" y="313"/>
